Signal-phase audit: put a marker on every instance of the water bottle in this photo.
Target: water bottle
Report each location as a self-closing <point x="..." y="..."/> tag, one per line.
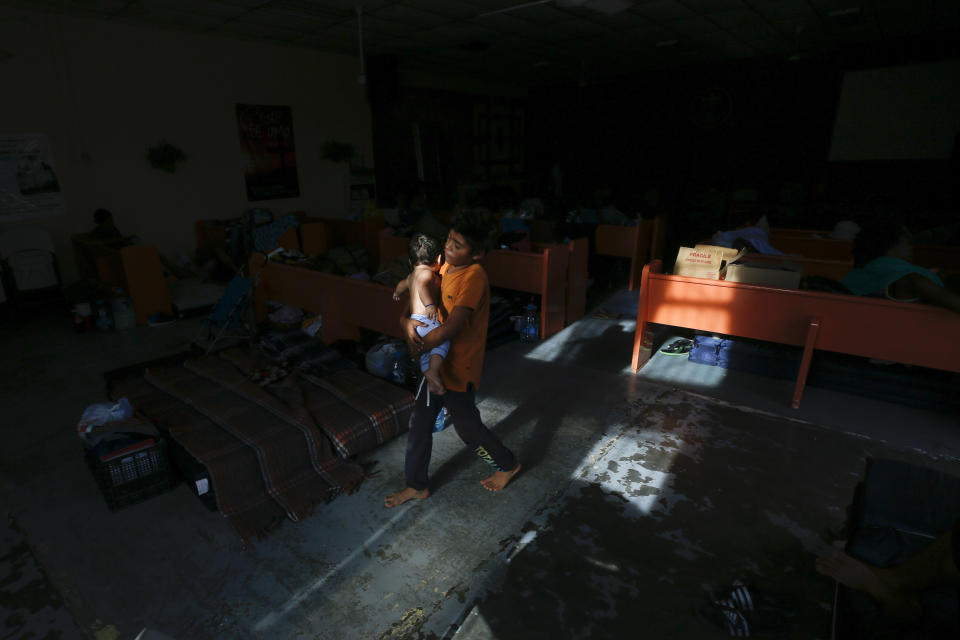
<point x="398" y="373"/>
<point x="104" y="320"/>
<point x="123" y="314"/>
<point x="529" y="332"/>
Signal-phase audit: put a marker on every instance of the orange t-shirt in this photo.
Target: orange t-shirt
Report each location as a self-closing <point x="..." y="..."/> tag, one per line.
<point x="465" y="288"/>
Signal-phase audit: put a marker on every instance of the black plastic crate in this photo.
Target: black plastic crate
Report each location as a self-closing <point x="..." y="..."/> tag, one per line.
<point x="133" y="477"/>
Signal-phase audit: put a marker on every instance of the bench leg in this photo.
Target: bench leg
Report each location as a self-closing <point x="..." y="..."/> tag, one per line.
<point x="812" y="330"/>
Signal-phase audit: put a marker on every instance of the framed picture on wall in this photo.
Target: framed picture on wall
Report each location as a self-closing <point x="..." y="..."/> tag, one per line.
<point x="29" y="187"/>
<point x="269" y="154"/>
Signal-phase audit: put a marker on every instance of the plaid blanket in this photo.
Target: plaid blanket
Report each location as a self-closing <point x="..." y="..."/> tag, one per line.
<point x="271" y="451"/>
<point x="356" y="410"/>
<point x="233" y="466"/>
<point x="286" y="457"/>
<point x="359" y="411"/>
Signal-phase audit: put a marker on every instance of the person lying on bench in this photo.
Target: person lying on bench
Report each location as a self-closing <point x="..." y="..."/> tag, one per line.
<point x="882" y="252"/>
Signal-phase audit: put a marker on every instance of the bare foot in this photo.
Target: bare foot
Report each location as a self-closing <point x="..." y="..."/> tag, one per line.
<point x="858" y="575"/>
<point x="434" y="382"/>
<point x="398" y="498"/>
<point x="499" y="479"/>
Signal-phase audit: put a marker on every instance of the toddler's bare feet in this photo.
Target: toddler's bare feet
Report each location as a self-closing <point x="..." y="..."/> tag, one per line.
<point x="434" y="382"/>
<point x="398" y="498"/>
<point x="499" y="479"/>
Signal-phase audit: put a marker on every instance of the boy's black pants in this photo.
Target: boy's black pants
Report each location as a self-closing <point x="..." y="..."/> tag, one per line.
<point x="463" y="411"/>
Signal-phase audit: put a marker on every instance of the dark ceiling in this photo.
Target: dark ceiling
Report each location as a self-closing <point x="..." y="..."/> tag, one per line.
<point x="542" y="42"/>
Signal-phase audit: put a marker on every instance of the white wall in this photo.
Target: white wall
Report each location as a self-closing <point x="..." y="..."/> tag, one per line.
<point x="896" y="113"/>
<point x="104" y="92"/>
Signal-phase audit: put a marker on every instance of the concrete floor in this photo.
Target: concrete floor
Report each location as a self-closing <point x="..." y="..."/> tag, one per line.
<point x="638" y="494"/>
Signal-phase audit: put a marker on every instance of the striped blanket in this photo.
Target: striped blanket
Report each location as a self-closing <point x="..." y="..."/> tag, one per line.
<point x="272" y="452"/>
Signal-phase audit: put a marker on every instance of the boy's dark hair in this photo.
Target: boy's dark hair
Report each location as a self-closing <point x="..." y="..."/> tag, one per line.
<point x="877" y="236"/>
<point x="102" y="215"/>
<point x="477" y="228"/>
<point x="423" y="249"/>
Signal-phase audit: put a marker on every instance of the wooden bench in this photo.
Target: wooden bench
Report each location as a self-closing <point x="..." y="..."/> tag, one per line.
<point x="640" y="243"/>
<point x="557" y="273"/>
<point x="868" y="327"/>
<point x="832" y="269"/>
<point x="808" y="245"/>
<point x="827" y="255"/>
<point x="346" y="305"/>
<point x="317" y="235"/>
<point x="136" y="269"/>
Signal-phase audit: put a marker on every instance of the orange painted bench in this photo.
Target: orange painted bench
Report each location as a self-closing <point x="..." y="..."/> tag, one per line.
<point x="542" y="273"/>
<point x="640" y="243"/>
<point x="317" y="235"/>
<point x="137" y="269"/>
<point x="346" y="305"/>
<point x="557" y="273"/>
<point x="868" y="327"/>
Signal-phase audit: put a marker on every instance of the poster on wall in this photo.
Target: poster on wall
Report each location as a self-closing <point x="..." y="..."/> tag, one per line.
<point x="269" y="156"/>
<point x="29" y="187"/>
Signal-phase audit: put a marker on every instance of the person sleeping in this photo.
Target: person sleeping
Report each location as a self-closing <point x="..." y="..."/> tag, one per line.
<point x="882" y="254"/>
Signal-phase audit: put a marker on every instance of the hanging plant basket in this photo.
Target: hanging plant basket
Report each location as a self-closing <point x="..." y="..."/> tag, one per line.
<point x="165" y="157"/>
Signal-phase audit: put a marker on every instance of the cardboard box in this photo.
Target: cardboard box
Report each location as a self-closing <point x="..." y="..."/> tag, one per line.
<point x="785" y="275"/>
<point x="704" y="261"/>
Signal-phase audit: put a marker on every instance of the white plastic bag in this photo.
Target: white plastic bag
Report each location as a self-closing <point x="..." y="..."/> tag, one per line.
<point x="102" y="413"/>
<point x="379" y="359"/>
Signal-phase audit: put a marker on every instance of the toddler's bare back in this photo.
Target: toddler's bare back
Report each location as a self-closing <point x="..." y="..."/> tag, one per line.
<point x="424" y="286"/>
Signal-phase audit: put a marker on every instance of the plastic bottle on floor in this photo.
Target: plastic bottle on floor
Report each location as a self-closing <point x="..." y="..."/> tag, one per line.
<point x="529" y="331"/>
<point x="104" y="320"/>
<point x="123" y="314"/>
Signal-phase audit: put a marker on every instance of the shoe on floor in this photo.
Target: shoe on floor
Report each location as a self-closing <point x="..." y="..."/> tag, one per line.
<point x="680" y="347"/>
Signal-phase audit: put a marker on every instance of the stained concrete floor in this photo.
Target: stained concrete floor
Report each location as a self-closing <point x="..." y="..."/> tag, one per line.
<point x="638" y="494"/>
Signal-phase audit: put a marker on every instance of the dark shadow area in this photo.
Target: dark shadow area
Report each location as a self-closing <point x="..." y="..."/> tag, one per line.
<point x="740" y="501"/>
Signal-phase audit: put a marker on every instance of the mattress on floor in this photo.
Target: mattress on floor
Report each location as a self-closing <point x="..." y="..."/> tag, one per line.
<point x="273" y="451"/>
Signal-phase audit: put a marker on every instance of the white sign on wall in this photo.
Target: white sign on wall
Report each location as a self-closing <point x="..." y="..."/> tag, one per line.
<point x="29" y="187"/>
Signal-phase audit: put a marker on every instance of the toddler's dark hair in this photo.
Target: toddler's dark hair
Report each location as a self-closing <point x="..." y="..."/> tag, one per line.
<point x="477" y="227"/>
<point x="102" y="215"/>
<point x="423" y="249"/>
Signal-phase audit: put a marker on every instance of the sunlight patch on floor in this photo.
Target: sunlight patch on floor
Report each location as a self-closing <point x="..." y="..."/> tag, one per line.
<point x="566" y="345"/>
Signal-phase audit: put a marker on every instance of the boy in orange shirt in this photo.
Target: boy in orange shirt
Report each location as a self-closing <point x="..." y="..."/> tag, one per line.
<point x="465" y="312"/>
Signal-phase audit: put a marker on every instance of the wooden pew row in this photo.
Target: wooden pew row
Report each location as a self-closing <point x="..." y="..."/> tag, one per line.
<point x="793" y="242"/>
<point x="544" y="274"/>
<point x="345" y="304"/>
<point x="868" y="327"/>
<point x="557" y="280"/>
<point x="832" y="269"/>
<point x="317" y="235"/>
<point x="817" y="245"/>
<point x="640" y="243"/>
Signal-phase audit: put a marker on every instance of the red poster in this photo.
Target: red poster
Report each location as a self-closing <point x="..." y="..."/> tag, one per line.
<point x="270" y="160"/>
